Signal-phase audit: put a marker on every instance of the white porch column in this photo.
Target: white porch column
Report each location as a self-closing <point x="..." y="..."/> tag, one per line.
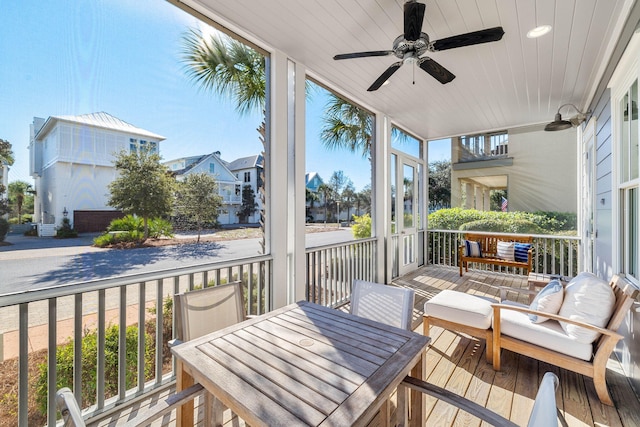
<point x="468" y="197"/>
<point x="286" y="214"/>
<point x="477" y="189"/>
<point x="381" y="196"/>
<point x="487" y="199"/>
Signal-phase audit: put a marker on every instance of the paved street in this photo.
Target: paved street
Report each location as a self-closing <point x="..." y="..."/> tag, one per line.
<point x="36" y="263"/>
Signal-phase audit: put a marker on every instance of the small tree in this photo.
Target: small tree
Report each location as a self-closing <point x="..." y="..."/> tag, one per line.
<point x="440" y="183"/>
<point x="144" y="187"/>
<point x="198" y="200"/>
<point x="249" y="204"/>
<point x="20" y="197"/>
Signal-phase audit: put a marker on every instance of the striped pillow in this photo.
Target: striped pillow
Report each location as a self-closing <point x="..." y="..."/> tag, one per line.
<point x="472" y="249"/>
<point x="506" y="251"/>
<point x="522" y="251"/>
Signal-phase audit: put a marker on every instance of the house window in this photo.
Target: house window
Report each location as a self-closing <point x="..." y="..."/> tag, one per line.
<point x="212" y="168"/>
<point x="247" y="177"/>
<point x="628" y="179"/>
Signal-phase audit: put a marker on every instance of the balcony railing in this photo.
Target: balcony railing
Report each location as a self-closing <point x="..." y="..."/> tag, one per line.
<point x="72" y="310"/>
<point x="332" y="268"/>
<point x="69" y="312"/>
<point x="551" y="254"/>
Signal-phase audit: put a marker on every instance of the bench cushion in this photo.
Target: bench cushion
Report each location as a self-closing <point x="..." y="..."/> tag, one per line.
<point x="458" y="307"/>
<point x="548" y="334"/>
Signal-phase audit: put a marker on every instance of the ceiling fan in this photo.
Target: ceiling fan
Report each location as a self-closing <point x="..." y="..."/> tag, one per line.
<point x="413" y="43"/>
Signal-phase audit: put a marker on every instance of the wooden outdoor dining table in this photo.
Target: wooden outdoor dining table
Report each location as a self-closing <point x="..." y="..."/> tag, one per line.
<point x="304" y="364"/>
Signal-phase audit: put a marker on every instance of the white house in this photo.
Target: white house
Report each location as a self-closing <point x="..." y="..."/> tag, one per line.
<point x="229" y="187"/>
<point x="71" y="162"/>
<point x="249" y="170"/>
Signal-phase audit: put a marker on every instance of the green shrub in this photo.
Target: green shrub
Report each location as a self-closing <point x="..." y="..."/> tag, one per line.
<point x="66" y="230"/>
<point x="126" y="223"/>
<point x="64" y="365"/>
<point x="4" y="229"/>
<point x="518" y="226"/>
<point x="507" y="222"/>
<point x="131" y="229"/>
<point x="158" y="227"/>
<point x="453" y="218"/>
<point x="32" y="232"/>
<point x="361" y="228"/>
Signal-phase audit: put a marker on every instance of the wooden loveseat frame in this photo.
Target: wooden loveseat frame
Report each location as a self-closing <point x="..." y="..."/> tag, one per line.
<point x="595" y="368"/>
<point x="489" y="247"/>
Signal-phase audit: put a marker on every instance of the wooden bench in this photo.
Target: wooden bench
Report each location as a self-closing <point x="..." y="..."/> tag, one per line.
<point x="489" y="247"/>
<point x="594" y="368"/>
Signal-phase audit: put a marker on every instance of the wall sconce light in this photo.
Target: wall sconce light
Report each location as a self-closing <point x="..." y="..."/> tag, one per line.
<point x="559" y="124"/>
<point x="65" y="212"/>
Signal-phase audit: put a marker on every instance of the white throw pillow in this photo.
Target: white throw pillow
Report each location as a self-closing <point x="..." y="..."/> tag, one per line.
<point x="589" y="299"/>
<point x="506" y="250"/>
<point x="549" y="300"/>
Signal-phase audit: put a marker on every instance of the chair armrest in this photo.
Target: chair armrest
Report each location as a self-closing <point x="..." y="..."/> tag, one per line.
<point x="458" y="401"/>
<point x="498" y="307"/>
<point x="165" y="406"/>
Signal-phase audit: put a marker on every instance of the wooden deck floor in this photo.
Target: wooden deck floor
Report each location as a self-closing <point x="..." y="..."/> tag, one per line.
<point x="457" y="362"/>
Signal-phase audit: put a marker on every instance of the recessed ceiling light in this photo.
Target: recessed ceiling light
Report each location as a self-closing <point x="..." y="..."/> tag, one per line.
<point x="539" y="31"/>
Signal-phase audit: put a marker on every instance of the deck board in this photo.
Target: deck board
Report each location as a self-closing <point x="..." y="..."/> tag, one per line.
<point x="457" y="362"/>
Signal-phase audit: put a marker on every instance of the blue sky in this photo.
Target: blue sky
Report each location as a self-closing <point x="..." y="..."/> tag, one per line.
<point x="63" y="57"/>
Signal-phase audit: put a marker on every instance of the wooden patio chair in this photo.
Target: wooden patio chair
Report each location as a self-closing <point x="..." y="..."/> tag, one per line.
<point x="551" y="343"/>
<point x="201" y="312"/>
<point x="197" y="313"/>
<point x="72" y="415"/>
<point x="545" y="411"/>
<point x="386" y="304"/>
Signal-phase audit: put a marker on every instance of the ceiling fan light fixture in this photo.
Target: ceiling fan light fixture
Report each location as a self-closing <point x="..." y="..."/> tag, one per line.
<point x="539" y="31"/>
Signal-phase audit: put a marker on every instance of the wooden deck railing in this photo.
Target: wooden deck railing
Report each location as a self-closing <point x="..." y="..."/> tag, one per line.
<point x="551" y="254"/>
<point x="74" y="309"/>
<point x="332" y="268"/>
<point x="68" y="312"/>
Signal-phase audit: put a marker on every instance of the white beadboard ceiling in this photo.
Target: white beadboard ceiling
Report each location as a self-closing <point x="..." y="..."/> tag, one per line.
<point x="513" y="82"/>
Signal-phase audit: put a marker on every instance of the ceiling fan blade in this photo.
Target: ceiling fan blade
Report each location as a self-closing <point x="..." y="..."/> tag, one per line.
<point x="413" y="17"/>
<point x="436" y="70"/>
<point x="363" y="54"/>
<point x="385" y="76"/>
<point x="468" y="39"/>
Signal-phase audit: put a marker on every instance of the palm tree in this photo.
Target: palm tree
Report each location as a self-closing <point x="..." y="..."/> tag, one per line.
<point x="326" y="192"/>
<point x="227" y="67"/>
<point x="17" y="194"/>
<point x="347" y="126"/>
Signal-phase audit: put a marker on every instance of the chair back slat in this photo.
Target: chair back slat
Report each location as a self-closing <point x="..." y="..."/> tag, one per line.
<point x="383" y="303"/>
<point x="207" y="310"/>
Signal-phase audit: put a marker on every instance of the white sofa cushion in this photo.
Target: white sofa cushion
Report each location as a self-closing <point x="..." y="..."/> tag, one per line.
<point x="548" y="334"/>
<point x="549" y="300"/>
<point x="589" y="299"/>
<point x="458" y="307"/>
